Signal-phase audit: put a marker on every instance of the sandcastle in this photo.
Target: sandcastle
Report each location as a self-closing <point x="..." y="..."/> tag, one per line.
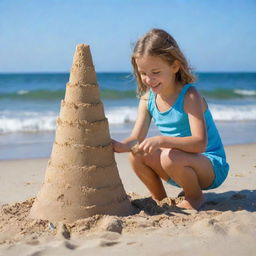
<point x="81" y="178"/>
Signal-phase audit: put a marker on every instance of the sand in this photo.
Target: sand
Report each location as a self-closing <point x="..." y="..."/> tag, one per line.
<point x="226" y="223"/>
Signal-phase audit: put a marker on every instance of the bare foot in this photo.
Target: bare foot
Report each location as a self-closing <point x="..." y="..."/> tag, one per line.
<point x="192" y="204"/>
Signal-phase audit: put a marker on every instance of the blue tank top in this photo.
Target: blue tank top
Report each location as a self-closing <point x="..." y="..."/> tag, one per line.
<point x="174" y="122"/>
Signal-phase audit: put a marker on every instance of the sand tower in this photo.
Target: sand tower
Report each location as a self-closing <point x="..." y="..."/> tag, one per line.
<point x="81" y="178"/>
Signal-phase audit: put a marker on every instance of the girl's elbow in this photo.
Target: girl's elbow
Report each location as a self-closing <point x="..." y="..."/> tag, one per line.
<point x="201" y="150"/>
<point x="201" y="145"/>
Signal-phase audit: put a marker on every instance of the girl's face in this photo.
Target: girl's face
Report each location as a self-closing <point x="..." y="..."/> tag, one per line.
<point x="156" y="73"/>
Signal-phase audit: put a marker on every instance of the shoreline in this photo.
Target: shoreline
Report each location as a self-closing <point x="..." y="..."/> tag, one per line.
<point x="26" y="145"/>
<point x="45" y="158"/>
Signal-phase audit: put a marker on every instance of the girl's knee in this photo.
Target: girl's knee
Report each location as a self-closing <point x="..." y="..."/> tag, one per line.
<point x="135" y="159"/>
<point x="170" y="159"/>
<point x="146" y="159"/>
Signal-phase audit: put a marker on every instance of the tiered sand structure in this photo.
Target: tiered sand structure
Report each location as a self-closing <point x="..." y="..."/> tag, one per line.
<point x="81" y="178"/>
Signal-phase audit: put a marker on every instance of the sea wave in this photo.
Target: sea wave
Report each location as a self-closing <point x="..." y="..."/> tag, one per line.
<point x="245" y="92"/>
<point x="233" y="112"/>
<point x="11" y="122"/>
<point x="218" y="93"/>
<point x="59" y="94"/>
<point x="46" y="121"/>
<point x="26" y="121"/>
<point x="122" y="115"/>
<point x="219" y="113"/>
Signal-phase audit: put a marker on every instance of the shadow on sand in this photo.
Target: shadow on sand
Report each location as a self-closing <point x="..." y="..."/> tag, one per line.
<point x="231" y="201"/>
<point x="226" y="201"/>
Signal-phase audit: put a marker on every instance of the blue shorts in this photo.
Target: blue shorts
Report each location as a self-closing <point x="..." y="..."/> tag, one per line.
<point x="220" y="168"/>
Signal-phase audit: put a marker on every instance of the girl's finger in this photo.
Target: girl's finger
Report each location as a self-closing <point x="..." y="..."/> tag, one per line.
<point x="141" y="146"/>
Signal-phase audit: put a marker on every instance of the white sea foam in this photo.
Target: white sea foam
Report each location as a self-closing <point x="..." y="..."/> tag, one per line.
<point x="219" y="112"/>
<point x="233" y="112"/>
<point x="245" y="92"/>
<point x="11" y="122"/>
<point x="22" y="92"/>
<point x="26" y="121"/>
<point x="121" y="115"/>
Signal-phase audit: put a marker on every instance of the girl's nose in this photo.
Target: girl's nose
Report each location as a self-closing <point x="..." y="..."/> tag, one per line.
<point x="149" y="80"/>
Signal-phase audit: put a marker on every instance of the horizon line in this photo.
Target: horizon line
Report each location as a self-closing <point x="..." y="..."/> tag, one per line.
<point x="67" y="72"/>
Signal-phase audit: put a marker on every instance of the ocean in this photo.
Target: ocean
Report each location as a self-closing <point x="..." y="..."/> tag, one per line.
<point x="30" y="103"/>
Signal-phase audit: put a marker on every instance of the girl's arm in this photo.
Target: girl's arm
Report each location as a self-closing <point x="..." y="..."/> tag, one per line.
<point x="194" y="106"/>
<point x="140" y="128"/>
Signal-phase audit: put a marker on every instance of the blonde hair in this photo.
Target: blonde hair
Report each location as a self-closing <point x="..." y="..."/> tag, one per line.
<point x="158" y="42"/>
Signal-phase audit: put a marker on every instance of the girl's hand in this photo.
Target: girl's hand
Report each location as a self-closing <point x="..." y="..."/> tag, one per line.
<point x="150" y="145"/>
<point x="119" y="147"/>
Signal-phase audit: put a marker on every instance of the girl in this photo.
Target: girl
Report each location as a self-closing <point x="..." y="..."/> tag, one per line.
<point x="189" y="152"/>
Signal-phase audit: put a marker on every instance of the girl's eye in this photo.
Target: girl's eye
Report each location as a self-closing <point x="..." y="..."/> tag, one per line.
<point x="156" y="72"/>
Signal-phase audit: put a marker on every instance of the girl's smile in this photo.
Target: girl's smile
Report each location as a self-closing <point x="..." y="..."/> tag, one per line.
<point x="154" y="88"/>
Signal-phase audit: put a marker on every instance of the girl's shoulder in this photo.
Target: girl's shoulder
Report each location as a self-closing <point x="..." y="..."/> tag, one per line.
<point x="192" y="98"/>
<point x="192" y="93"/>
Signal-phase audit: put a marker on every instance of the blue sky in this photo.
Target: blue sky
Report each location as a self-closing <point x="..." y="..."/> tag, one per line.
<point x="41" y="35"/>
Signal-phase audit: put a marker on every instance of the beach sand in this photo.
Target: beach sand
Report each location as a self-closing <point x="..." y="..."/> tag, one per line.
<point x="226" y="223"/>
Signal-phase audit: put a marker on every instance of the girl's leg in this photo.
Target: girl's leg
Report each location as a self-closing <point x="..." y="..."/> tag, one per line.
<point x="191" y="171"/>
<point x="150" y="174"/>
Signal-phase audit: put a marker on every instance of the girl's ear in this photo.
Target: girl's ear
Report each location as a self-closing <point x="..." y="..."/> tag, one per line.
<point x="175" y="66"/>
